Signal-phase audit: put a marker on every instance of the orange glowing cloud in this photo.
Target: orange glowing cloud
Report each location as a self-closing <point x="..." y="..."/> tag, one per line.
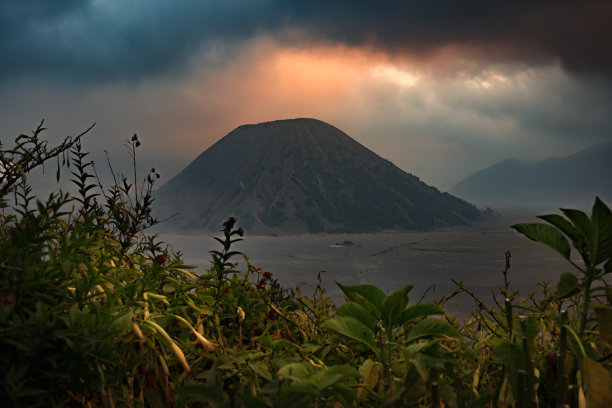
<point x="268" y="82"/>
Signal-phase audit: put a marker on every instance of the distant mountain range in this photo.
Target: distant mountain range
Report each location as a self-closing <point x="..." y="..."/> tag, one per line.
<point x="302" y="176"/>
<point x="570" y="181"/>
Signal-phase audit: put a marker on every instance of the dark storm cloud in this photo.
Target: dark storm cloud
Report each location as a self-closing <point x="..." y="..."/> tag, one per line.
<point x="131" y="39"/>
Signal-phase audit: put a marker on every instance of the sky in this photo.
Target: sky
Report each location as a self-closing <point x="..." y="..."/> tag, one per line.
<point x="440" y="88"/>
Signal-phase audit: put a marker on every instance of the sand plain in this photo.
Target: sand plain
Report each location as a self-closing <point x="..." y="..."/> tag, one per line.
<point x="426" y="259"/>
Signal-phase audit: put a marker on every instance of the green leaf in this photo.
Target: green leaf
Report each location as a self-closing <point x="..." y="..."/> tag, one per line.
<point x="547" y="235"/>
<point x="416" y="311"/>
<point x="431" y="328"/>
<point x="154" y="398"/>
<point x="510" y="354"/>
<point x="368" y="296"/>
<point x="602" y="233"/>
<point x="193" y="392"/>
<point x="604" y="320"/>
<point x="296" y="371"/>
<point x="568" y="286"/>
<point x="583" y="225"/>
<point x="355" y="310"/>
<point x="350" y="327"/>
<point x="279" y="344"/>
<point x="533" y="328"/>
<point x="124" y="321"/>
<point x="581" y="221"/>
<point x="250" y="401"/>
<point x="370" y="372"/>
<point x="420" y="347"/>
<point x="326" y="377"/>
<point x="598" y="384"/>
<point x="260" y="369"/>
<point x="564" y="226"/>
<point x="393" y="305"/>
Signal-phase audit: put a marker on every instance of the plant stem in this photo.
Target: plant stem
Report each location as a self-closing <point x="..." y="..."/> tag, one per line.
<point x="586" y="300"/>
<point x="435" y="388"/>
<point x="561" y="377"/>
<point x="529" y="380"/>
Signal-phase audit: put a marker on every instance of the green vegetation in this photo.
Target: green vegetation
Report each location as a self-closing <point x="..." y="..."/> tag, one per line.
<point x="94" y="312"/>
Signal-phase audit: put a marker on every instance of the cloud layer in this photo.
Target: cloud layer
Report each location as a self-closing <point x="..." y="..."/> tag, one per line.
<point x="442" y="89"/>
<point x="109" y="40"/>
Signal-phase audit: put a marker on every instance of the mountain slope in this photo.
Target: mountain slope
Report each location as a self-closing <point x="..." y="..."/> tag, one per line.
<point x="572" y="180"/>
<point x="302" y="176"/>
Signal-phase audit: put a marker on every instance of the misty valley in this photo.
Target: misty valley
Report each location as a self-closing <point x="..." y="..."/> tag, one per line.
<point x="474" y="254"/>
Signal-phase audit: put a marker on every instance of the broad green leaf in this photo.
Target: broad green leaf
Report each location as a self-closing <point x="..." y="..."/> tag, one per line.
<point x="368" y="296"/>
<point x="357" y="311"/>
<point x="370" y="372"/>
<point x="192" y="392"/>
<point x="598" y="384"/>
<point x="547" y="235"/>
<point x="124" y="321"/>
<point x="296" y="371"/>
<point x="154" y="397"/>
<point x="283" y="343"/>
<point x="510" y="354"/>
<point x="604" y="320"/>
<point x="266" y="340"/>
<point x="420" y="347"/>
<point x="393" y="305"/>
<point x="583" y="225"/>
<point x="250" y="401"/>
<point x="481" y="402"/>
<point x="260" y="369"/>
<point x="449" y="396"/>
<point x="416" y="311"/>
<point x="564" y="226"/>
<point x="431" y="328"/>
<point x="533" y="327"/>
<point x="326" y="377"/>
<point x="568" y="286"/>
<point x="580" y="220"/>
<point x="343" y="394"/>
<point x="602" y="233"/>
<point x="351" y="328"/>
<point x="346" y="371"/>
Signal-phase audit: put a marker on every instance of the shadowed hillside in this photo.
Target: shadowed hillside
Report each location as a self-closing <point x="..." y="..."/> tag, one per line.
<point x="570" y="181"/>
<point x="302" y="176"/>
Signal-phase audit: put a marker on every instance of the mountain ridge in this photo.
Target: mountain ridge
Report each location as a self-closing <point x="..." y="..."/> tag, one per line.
<point x="571" y="180"/>
<point x="303" y="176"/>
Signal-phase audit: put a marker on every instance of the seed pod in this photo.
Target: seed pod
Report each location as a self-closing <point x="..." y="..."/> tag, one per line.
<point x="137" y="331"/>
<point x="180" y="356"/>
<point x="207" y="344"/>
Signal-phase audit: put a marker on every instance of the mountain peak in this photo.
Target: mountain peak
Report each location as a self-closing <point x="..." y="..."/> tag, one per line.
<point x="303" y="176"/>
